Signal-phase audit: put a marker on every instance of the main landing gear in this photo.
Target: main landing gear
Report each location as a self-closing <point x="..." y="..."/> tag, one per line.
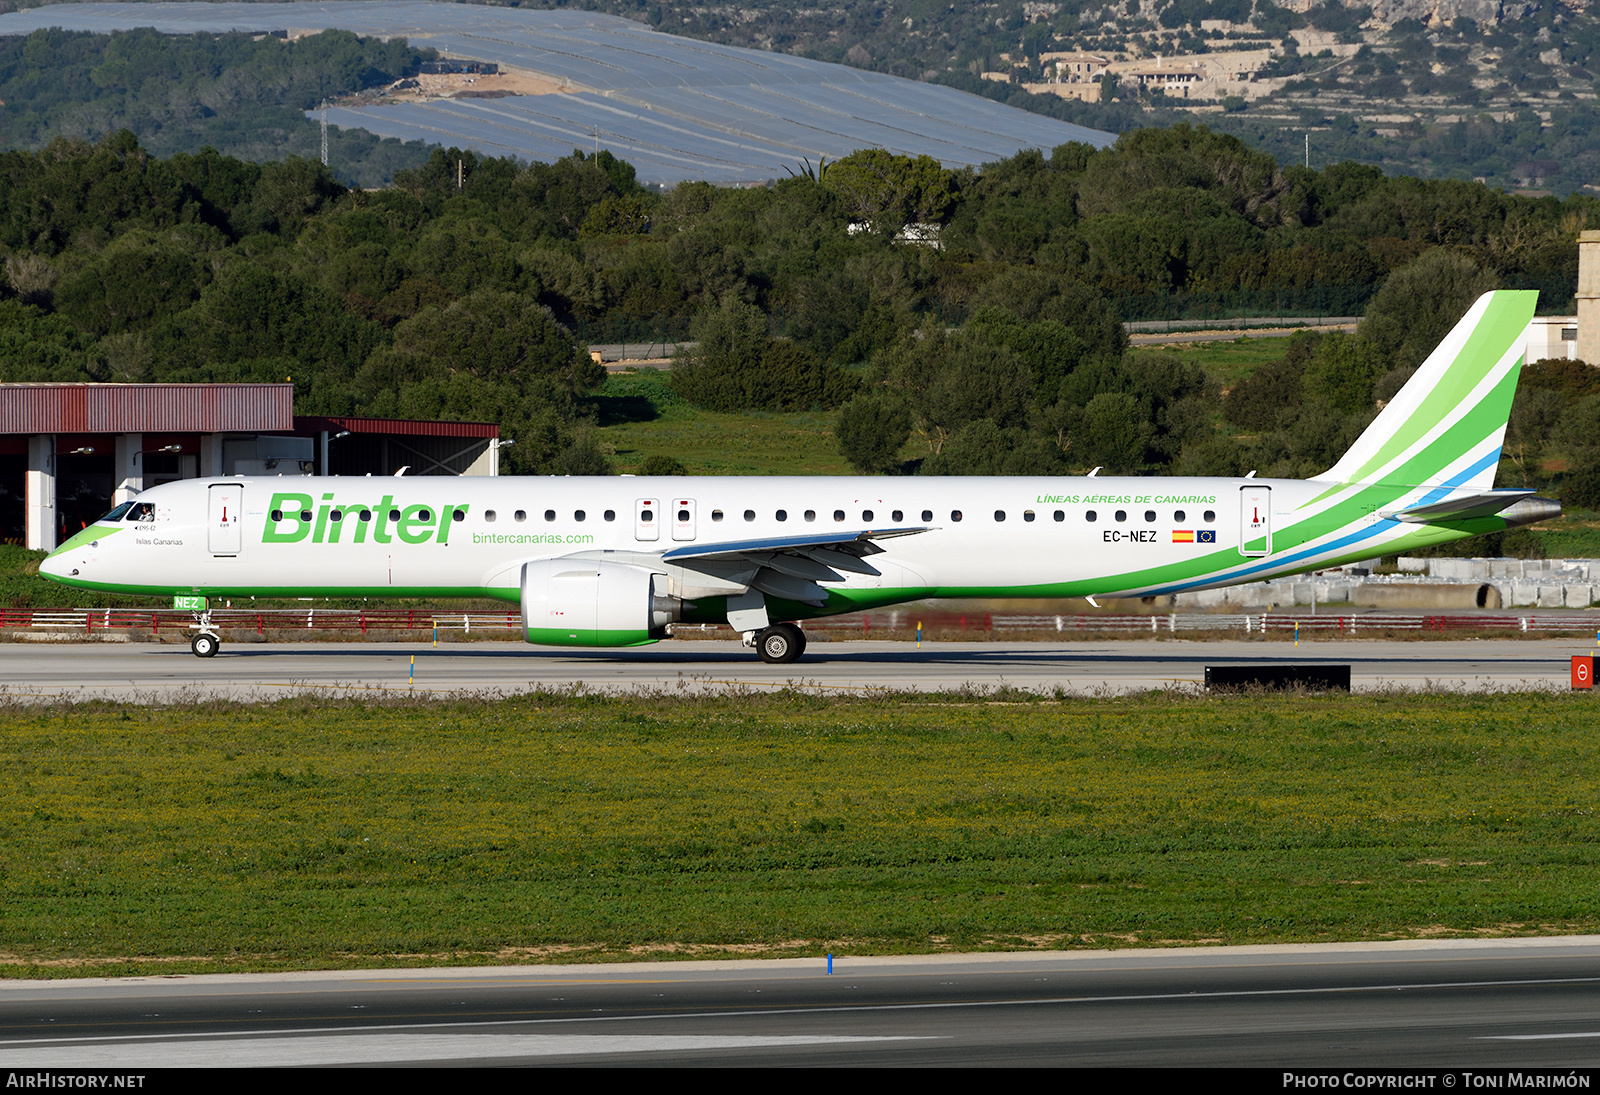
<point x="781" y="644"/>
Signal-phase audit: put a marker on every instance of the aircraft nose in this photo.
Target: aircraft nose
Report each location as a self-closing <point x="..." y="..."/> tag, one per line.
<point x="64" y="562"/>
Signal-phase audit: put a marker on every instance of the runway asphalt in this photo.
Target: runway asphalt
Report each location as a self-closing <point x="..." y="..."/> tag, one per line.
<point x="156" y="672"/>
<point x="1436" y="1005"/>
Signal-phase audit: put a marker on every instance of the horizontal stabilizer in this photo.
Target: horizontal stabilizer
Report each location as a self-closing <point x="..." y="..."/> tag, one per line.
<point x="1459" y="509"/>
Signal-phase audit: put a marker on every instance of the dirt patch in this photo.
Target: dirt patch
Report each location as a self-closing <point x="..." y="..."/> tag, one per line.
<point x="461" y="85"/>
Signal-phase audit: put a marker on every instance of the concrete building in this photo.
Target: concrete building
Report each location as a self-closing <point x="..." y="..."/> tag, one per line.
<point x="1551" y="336"/>
<point x="69" y="452"/>
<point x="1588" y="334"/>
<point x="1175" y="80"/>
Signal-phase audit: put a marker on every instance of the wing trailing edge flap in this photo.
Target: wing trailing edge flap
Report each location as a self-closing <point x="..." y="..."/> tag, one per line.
<point x="788" y="566"/>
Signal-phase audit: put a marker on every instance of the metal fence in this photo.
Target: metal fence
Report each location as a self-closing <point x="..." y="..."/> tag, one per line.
<point x="1299" y="303"/>
<point x="977" y="624"/>
<point x="354" y="621"/>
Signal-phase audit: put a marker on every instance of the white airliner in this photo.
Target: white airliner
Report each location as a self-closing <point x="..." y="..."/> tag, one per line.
<point x="615" y="561"/>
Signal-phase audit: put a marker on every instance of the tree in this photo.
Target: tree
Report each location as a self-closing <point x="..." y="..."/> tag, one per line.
<point x="1112" y="434"/>
<point x="1342" y="372"/>
<point x="951" y="379"/>
<point x="1419" y="304"/>
<point x="889" y="191"/>
<point x="737" y="367"/>
<point x="871" y="430"/>
<point x="982" y="448"/>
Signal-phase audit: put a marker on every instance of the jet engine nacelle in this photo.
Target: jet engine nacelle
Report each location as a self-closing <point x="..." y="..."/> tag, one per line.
<point x="585" y="602"/>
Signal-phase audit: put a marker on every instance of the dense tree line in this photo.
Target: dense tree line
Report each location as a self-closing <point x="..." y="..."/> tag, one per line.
<point x="241" y="94"/>
<point x="462" y="290"/>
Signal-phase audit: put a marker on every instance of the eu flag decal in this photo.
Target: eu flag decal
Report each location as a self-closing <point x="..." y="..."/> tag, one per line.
<point x="1207" y="536"/>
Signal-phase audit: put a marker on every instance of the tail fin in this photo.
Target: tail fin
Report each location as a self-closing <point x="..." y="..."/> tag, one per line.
<point x="1446" y="426"/>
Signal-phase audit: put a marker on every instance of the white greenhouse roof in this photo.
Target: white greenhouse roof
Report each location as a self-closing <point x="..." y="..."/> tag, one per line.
<point x="676" y="108"/>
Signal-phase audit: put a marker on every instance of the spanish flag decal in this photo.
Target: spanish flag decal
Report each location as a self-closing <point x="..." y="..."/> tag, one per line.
<point x="1182" y="536"/>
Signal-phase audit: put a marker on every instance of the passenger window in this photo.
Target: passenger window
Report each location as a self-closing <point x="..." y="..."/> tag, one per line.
<point x="866" y="515"/>
<point x="610" y="515"/>
<point x="1178" y="516"/>
<point x="955" y="515"/>
<point x="277" y="515"/>
<point x="338" y="515"/>
<point x="782" y="515"/>
<point x="579" y="515"/>
<point x="1027" y="515"/>
<point x="647" y="515"/>
<point x="424" y="515"/>
<point x="458" y="515"/>
<point x="1060" y="515"/>
<point x="305" y="515"/>
<point x="716" y="515"/>
<point x="749" y="515"/>
<point x="999" y="515"/>
<point x="1149" y="515"/>
<point x="897" y="516"/>
<point x="1091" y="516"/>
<point x="520" y="515"/>
<point x="838" y="515"/>
<point x="927" y="515"/>
<point x="811" y="515"/>
<point x="1210" y="516"/>
<point x="488" y="516"/>
<point x="549" y="515"/>
<point x="394" y="515"/>
<point x="1121" y="516"/>
<point x="366" y="516"/>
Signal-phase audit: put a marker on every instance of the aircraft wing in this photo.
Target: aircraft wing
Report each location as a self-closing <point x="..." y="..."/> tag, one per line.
<point x="788" y="566"/>
<point x="1459" y="509"/>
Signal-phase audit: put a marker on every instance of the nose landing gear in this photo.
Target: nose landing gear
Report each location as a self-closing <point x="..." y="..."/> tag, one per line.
<point x="205" y="644"/>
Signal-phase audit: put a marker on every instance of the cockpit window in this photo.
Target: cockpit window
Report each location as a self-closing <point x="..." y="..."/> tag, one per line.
<point x="119" y="513"/>
<point x="142" y="511"/>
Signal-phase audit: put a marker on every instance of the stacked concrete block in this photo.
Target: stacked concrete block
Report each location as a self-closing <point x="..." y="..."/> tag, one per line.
<point x="1519" y="583"/>
<point x="1336" y="591"/>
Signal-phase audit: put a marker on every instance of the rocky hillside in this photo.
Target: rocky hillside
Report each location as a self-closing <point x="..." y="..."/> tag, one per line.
<point x="1501" y="90"/>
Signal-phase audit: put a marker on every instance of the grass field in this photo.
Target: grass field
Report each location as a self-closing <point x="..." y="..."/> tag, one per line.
<point x="1227" y="362"/>
<point x="303" y="834"/>
<point x="641" y="416"/>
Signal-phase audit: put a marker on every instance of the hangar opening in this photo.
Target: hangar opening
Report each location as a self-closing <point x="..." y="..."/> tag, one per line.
<point x="70" y="452"/>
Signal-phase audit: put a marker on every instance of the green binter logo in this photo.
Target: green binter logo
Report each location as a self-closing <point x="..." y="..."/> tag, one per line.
<point x="297" y="518"/>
